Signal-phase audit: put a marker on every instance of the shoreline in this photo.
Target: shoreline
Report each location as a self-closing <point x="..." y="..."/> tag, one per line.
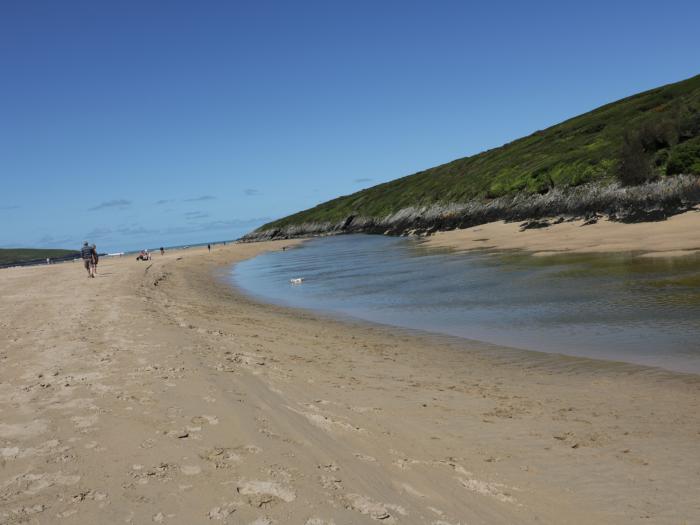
<point x="676" y="236"/>
<point x="551" y="360"/>
<point x="237" y="411"/>
<point x="676" y="363"/>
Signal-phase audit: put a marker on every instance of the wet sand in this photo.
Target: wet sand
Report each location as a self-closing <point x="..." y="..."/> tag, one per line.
<point x="677" y="236"/>
<point x="155" y="393"/>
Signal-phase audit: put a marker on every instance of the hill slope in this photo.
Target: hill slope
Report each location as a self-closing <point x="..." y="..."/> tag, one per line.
<point x="645" y="137"/>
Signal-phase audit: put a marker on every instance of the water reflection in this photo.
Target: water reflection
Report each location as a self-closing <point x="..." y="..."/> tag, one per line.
<point x="621" y="306"/>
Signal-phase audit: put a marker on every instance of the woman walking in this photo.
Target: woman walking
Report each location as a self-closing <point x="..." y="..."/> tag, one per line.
<point x="95" y="258"/>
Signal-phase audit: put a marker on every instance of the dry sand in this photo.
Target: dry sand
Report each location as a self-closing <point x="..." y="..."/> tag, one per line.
<point x="677" y="236"/>
<point x="156" y="394"/>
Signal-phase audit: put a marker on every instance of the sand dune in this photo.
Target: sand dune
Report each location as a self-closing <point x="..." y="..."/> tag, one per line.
<point x="154" y="394"/>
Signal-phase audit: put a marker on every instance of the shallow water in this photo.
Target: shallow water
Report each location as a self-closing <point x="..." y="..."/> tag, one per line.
<point x="612" y="306"/>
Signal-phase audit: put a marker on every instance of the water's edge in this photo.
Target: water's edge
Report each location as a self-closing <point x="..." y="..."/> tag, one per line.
<point x="550" y="362"/>
<point x="682" y="361"/>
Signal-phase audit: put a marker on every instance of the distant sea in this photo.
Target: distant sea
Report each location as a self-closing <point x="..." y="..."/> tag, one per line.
<point x="616" y="307"/>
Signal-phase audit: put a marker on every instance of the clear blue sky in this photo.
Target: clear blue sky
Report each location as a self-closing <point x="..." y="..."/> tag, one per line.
<point x="135" y="124"/>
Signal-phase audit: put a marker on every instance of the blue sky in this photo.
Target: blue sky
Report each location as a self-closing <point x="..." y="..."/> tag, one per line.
<point x="137" y="124"/>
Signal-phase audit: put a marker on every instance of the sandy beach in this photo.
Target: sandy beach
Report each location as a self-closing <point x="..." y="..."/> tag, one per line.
<point x="677" y="236"/>
<point x="156" y="393"/>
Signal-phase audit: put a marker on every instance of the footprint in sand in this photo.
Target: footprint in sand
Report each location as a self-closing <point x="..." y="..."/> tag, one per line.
<point x="90" y="495"/>
<point x="261" y="521"/>
<point x="95" y="446"/>
<point x="331" y="482"/>
<point x="48" y="447"/>
<point x="222" y="512"/>
<point x="160" y="473"/>
<point x="327" y="423"/>
<point x="9" y="453"/>
<point x="465" y="478"/>
<point x="329" y="467"/>
<point x="84" y="422"/>
<point x="221" y="457"/>
<point x="374" y="509"/>
<point x="191" y="470"/>
<point x="264" y="493"/>
<point x="179" y="433"/>
<point x="224" y="457"/>
<point x="201" y="420"/>
<point x="31" y="484"/>
<point x="22" y="515"/>
<point x="23" y="430"/>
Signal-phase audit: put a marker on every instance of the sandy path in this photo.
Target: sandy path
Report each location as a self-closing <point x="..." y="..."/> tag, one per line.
<point x="122" y="401"/>
<point x="677" y="236"/>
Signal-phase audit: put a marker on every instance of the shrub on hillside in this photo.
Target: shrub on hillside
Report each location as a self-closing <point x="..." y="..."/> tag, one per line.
<point x="689" y="124"/>
<point x="634" y="166"/>
<point x="685" y="158"/>
<point x="657" y="134"/>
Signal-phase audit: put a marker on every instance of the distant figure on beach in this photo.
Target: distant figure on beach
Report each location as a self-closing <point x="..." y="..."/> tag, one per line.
<point x="95" y="258"/>
<point x="48" y="261"/>
<point x="143" y="256"/>
<point x="209" y="247"/>
<point x="162" y="250"/>
<point x="86" y="254"/>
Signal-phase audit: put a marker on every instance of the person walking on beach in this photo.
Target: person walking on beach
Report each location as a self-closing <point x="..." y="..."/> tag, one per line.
<point x="209" y="247"/>
<point x="95" y="258"/>
<point x="162" y="250"/>
<point x="86" y="254"/>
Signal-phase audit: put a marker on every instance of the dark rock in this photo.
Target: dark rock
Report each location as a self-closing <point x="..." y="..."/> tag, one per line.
<point x="347" y="222"/>
<point x="534" y="225"/>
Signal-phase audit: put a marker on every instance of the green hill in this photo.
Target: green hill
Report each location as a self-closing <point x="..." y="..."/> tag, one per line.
<point x="24" y="255"/>
<point x="645" y="137"/>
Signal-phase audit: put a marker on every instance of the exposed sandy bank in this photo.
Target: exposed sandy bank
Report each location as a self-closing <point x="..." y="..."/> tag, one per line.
<point x="676" y="236"/>
<point x="155" y="394"/>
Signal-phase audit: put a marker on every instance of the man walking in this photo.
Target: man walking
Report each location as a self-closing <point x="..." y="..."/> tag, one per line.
<point x="88" y="259"/>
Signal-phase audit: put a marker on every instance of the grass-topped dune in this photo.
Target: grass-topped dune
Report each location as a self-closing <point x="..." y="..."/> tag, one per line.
<point x="622" y="159"/>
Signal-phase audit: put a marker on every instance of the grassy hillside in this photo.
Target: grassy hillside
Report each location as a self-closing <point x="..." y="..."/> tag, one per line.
<point x="640" y="138"/>
<point x="19" y="255"/>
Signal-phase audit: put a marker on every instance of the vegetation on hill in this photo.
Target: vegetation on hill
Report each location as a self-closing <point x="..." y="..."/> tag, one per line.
<point x="645" y="137"/>
<point x="23" y="255"/>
